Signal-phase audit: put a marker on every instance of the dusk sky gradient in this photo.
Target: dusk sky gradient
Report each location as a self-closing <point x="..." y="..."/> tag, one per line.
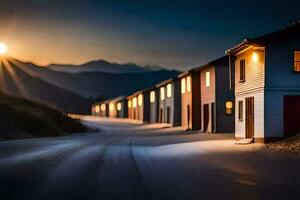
<point x="173" y="34"/>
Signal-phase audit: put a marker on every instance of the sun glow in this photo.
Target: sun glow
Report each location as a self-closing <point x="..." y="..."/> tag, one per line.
<point x="3" y="48"/>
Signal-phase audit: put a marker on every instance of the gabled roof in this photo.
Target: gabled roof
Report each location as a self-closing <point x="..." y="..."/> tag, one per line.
<point x="117" y="99"/>
<point x="167" y="81"/>
<point x="281" y="35"/>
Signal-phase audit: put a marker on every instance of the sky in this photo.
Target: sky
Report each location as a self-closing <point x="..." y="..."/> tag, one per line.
<point x="172" y="34"/>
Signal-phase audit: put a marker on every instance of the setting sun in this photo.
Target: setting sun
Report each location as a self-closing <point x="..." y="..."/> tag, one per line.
<point x="3" y="48"/>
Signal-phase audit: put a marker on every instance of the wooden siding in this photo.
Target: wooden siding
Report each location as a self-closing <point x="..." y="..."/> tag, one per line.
<point x="255" y="72"/>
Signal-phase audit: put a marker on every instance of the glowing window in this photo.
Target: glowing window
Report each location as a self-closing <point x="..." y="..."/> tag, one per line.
<point x="119" y="106"/>
<point x="97" y="108"/>
<point x="162" y="93"/>
<point x="182" y="85"/>
<point x="111" y="107"/>
<point x="152" y="96"/>
<point x="103" y="107"/>
<point x="169" y="90"/>
<point x="134" y="102"/>
<point x="207" y="79"/>
<point x="229" y="107"/>
<point x="296" y="61"/>
<point x="140" y="100"/>
<point x="188" y="83"/>
<point x="129" y="104"/>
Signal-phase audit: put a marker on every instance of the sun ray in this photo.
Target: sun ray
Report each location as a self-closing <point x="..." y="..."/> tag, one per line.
<point x="3" y="85"/>
<point x="15" y="78"/>
<point x="22" y="67"/>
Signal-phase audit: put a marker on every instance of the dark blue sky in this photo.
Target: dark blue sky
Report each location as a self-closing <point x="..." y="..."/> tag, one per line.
<point x="176" y="34"/>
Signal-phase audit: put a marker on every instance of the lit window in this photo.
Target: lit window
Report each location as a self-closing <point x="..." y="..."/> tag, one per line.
<point x="188" y="83"/>
<point x="241" y="110"/>
<point x="242" y="70"/>
<point x="111" y="107"/>
<point x="140" y="100"/>
<point x="182" y="85"/>
<point x="296" y="61"/>
<point x="152" y="96"/>
<point x="103" y="107"/>
<point x="119" y="106"/>
<point x="97" y="108"/>
<point x="229" y="107"/>
<point x="134" y="102"/>
<point x="169" y="90"/>
<point x="129" y="104"/>
<point x="162" y="93"/>
<point x="207" y="79"/>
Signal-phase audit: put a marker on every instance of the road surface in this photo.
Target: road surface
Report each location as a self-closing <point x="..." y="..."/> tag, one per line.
<point x="144" y="162"/>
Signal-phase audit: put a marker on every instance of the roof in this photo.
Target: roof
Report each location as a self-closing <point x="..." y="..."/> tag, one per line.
<point x="166" y="82"/>
<point x="140" y="92"/>
<point x="117" y="99"/>
<point x="287" y="32"/>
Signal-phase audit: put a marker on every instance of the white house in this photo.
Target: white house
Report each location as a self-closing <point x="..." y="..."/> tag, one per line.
<point x="267" y="85"/>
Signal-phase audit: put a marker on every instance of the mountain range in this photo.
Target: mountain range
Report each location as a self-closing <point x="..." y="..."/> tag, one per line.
<point x="73" y="91"/>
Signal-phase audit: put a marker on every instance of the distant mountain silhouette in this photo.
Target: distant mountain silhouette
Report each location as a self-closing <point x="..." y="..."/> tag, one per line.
<point x="18" y="80"/>
<point x="103" y="66"/>
<point x="91" y="84"/>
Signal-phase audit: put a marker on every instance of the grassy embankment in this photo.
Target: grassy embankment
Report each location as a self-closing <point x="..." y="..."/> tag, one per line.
<point x="21" y="118"/>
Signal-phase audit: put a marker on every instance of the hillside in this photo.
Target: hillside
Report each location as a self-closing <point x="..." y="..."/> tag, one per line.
<point x="21" y="118"/>
<point x="18" y="80"/>
<point x="89" y="84"/>
<point x="102" y="66"/>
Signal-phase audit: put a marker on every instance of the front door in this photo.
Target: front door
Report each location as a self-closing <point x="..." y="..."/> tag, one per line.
<point x="188" y="116"/>
<point x="205" y="117"/>
<point x="212" y="117"/>
<point x="250" y="117"/>
<point x="160" y="115"/>
<point x="168" y="115"/>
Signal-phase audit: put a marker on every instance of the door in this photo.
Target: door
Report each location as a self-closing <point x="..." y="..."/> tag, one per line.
<point x="168" y="114"/>
<point x="212" y="117"/>
<point x="205" y="117"/>
<point x="250" y="117"/>
<point x="291" y="115"/>
<point x="188" y="116"/>
<point x="160" y="115"/>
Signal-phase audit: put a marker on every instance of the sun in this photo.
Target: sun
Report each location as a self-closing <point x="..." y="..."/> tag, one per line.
<point x="3" y="48"/>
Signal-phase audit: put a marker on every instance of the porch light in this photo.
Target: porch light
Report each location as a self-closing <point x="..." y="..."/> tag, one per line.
<point x="103" y="107"/>
<point x="229" y="107"/>
<point x="255" y="57"/>
<point x="134" y="102"/>
<point x="140" y="100"/>
<point x="111" y="107"/>
<point x="119" y="106"/>
<point x="97" y="108"/>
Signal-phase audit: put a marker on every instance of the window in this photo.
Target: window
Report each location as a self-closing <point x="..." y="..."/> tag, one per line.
<point x="134" y="102"/>
<point x="129" y="104"/>
<point x="152" y="96"/>
<point x="169" y="90"/>
<point x="140" y="100"/>
<point x="162" y="93"/>
<point x="182" y="85"/>
<point x="242" y="70"/>
<point x="296" y="61"/>
<point x="111" y="107"/>
<point x="119" y="106"/>
<point x="188" y="83"/>
<point x="241" y="110"/>
<point x="207" y="79"/>
<point x="97" y="108"/>
<point x="103" y="107"/>
<point x="228" y="107"/>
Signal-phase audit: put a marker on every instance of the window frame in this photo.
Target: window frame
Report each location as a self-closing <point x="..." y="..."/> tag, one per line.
<point x="241" y="80"/>
<point x="241" y="110"/>
<point x="232" y="109"/>
<point x="294" y="61"/>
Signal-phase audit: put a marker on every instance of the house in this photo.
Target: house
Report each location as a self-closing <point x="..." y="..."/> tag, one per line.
<point x="96" y="109"/>
<point x="170" y="102"/>
<point x="118" y="107"/>
<point x="104" y="108"/>
<point x="139" y="105"/>
<point x="267" y="85"/>
<point x="190" y="99"/>
<point x="217" y="98"/>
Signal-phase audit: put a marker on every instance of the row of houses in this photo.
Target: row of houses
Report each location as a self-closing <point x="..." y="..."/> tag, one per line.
<point x="253" y="90"/>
